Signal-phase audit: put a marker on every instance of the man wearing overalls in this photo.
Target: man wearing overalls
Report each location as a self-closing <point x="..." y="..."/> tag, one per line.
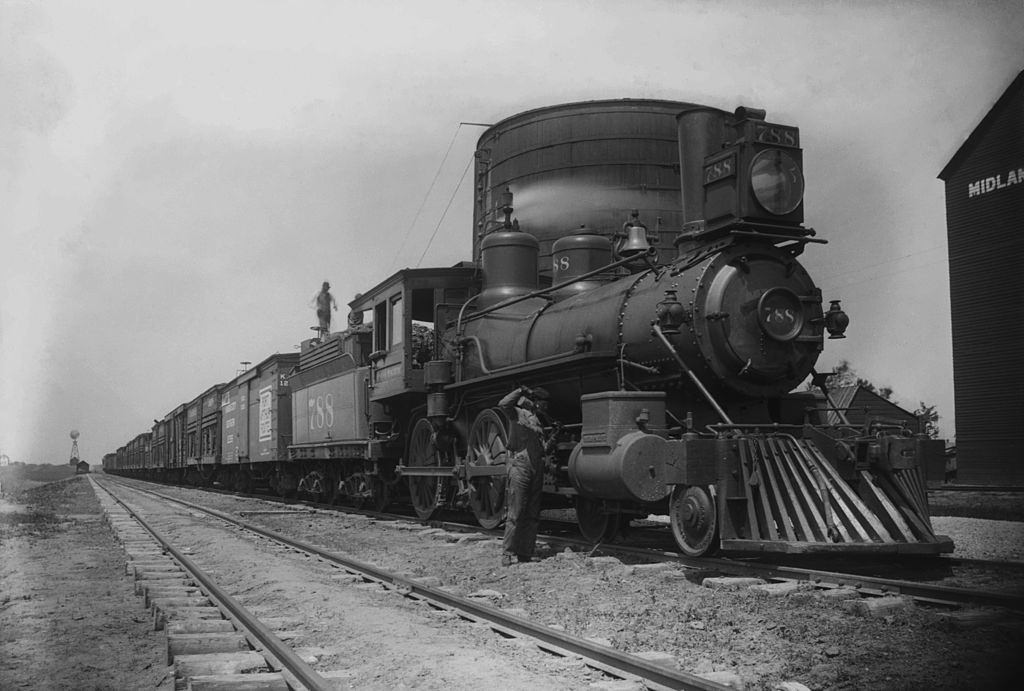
<point x="525" y="474"/>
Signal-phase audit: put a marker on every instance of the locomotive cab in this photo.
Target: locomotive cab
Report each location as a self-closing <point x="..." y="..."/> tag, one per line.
<point x="405" y="312"/>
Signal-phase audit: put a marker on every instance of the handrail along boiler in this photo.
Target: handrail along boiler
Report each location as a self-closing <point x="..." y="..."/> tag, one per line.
<point x="649" y="281"/>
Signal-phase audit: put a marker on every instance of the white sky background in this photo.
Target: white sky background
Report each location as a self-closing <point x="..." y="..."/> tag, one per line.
<point x="177" y="178"/>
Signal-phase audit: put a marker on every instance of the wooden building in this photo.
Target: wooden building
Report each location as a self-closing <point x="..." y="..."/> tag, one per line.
<point x="985" y="228"/>
<point x="859" y="405"/>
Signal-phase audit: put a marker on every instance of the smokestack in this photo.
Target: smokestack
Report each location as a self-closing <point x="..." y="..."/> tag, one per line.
<point x="701" y="133"/>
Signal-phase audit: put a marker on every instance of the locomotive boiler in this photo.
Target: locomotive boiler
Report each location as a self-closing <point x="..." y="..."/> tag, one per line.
<point x="639" y="260"/>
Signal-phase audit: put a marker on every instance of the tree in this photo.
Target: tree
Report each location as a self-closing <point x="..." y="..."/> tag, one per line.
<point x="846" y="375"/>
<point x="929" y="418"/>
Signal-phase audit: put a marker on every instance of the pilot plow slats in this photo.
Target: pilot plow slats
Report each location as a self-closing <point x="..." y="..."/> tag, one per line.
<point x="853" y="506"/>
<point x="903" y="501"/>
<point x="805" y="493"/>
<point x="795" y="496"/>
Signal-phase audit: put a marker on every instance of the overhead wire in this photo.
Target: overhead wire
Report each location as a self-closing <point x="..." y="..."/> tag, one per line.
<point x="989" y="247"/>
<point x="878" y="277"/>
<point x="445" y="213"/>
<point x="426" y="196"/>
<point x="887" y="261"/>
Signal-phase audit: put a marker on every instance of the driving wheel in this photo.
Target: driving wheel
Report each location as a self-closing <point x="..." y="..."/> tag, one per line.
<point x="425" y="491"/>
<point x="488" y="449"/>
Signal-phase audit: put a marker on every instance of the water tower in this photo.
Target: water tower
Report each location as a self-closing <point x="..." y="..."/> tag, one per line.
<point x="74" y="447"/>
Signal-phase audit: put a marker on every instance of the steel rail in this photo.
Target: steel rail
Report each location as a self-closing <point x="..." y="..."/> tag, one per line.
<point x="600" y="656"/>
<point x="872" y="585"/>
<point x="284" y="655"/>
<point x="1009" y="489"/>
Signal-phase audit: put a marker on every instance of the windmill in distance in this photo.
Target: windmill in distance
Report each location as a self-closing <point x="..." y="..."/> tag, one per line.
<point x="74" y="447"/>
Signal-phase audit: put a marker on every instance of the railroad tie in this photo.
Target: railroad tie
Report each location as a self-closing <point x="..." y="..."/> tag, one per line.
<point x="196" y="643"/>
<point x="264" y="681"/>
<point x="206" y="664"/>
<point x="163" y="615"/>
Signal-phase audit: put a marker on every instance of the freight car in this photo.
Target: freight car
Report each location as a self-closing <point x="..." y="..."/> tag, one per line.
<point x="648" y="278"/>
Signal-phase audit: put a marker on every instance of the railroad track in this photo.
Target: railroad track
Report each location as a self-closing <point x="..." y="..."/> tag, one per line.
<point x="864" y="584"/>
<point x="613" y="662"/>
<point x="211" y="639"/>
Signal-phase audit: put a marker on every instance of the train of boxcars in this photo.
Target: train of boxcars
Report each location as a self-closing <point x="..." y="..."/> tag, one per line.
<point x="638" y="260"/>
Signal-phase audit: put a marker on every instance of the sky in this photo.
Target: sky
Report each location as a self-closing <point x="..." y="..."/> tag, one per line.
<point x="178" y="178"/>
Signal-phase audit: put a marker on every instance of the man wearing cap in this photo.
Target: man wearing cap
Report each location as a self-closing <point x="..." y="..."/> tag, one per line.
<point x="525" y="474"/>
<point x="324" y="301"/>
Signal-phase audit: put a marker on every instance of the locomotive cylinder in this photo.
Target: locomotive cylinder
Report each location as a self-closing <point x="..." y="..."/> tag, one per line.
<point x="620" y="456"/>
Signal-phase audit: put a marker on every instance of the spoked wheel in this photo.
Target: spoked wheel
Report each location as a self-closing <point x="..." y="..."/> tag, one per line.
<point x="318" y="487"/>
<point x="356" y="489"/>
<point x="423" y="452"/>
<point x="596" y="524"/>
<point x="694" y="518"/>
<point x="488" y="446"/>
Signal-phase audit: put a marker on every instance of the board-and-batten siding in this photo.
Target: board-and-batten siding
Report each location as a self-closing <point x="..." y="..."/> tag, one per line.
<point x="986" y="270"/>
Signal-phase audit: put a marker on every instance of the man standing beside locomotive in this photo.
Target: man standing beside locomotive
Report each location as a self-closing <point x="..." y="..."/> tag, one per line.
<point x="324" y="301"/>
<point x="526" y="472"/>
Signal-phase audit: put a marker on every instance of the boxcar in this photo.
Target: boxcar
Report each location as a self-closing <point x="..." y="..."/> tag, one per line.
<point x="257" y="427"/>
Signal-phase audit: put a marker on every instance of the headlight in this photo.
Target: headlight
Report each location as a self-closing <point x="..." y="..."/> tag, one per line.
<point x="777" y="182"/>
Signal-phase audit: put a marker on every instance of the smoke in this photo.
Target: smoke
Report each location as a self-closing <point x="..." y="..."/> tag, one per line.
<point x="547" y="207"/>
<point x="37" y="89"/>
<point x="36" y="94"/>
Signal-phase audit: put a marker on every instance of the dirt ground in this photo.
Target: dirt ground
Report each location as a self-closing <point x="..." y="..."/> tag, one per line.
<point x="757" y="640"/>
<point x="69" y="619"/>
<point x="1002" y="506"/>
<point x="365" y="635"/>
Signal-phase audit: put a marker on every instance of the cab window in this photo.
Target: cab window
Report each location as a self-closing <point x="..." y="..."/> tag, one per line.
<point x="396" y="323"/>
<point x="422" y="326"/>
<point x="380" y="327"/>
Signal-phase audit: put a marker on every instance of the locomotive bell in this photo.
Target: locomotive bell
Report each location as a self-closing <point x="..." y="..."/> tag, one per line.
<point x="636" y="242"/>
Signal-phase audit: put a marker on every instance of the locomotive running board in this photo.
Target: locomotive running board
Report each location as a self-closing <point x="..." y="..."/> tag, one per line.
<point x="794" y="500"/>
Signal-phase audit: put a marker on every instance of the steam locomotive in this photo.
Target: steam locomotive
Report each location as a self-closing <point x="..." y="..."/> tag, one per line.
<point x="638" y="259"/>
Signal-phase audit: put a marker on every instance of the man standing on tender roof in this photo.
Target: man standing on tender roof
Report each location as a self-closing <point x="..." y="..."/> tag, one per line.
<point x="525" y="473"/>
<point x="324" y="301"/>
